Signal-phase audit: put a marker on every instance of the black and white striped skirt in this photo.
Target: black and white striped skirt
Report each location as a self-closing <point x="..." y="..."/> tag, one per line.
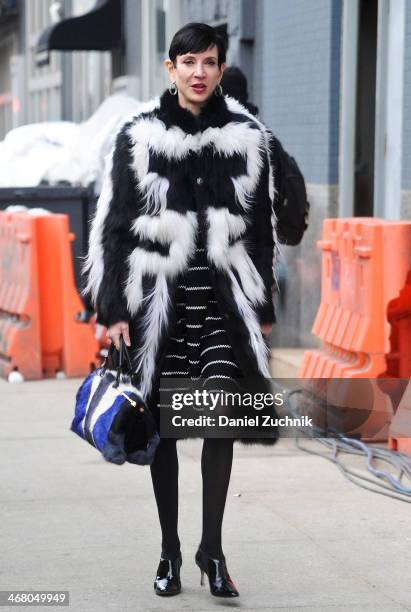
<point x="198" y="347"/>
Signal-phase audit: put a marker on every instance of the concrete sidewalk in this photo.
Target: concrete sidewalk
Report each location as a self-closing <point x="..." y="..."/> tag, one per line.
<point x="299" y="536"/>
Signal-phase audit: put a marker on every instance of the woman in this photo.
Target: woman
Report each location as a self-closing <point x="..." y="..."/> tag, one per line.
<point x="180" y="264"/>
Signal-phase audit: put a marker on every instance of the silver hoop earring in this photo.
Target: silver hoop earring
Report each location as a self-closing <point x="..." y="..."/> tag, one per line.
<point x="218" y="91"/>
<point x="173" y="89"/>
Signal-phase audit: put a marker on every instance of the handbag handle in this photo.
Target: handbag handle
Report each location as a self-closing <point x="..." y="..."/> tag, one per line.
<point x="125" y="356"/>
<point x="123" y="359"/>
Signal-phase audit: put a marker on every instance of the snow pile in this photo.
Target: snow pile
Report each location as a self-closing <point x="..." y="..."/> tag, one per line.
<point x="27" y="151"/>
<point x="62" y="152"/>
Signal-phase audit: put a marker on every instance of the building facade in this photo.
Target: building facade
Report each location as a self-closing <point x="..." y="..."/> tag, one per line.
<point x="297" y="68"/>
<point x="9" y="48"/>
<point x="69" y="87"/>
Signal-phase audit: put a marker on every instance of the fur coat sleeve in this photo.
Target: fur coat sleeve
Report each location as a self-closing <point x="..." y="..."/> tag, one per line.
<point x="263" y="232"/>
<point x="110" y="239"/>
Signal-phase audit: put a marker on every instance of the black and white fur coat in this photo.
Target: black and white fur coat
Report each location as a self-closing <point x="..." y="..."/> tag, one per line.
<point x="172" y="174"/>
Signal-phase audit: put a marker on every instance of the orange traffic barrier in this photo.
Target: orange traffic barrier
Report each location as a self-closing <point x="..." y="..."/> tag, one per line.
<point x="20" y="347"/>
<point x="67" y="344"/>
<point x="399" y="317"/>
<point x="400" y="429"/>
<point x="40" y="333"/>
<point x="365" y="263"/>
<point x="398" y="360"/>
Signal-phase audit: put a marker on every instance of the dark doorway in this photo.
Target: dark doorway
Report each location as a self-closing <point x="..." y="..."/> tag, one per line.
<point x="365" y="110"/>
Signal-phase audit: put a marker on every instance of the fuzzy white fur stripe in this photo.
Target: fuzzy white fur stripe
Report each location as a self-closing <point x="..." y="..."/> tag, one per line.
<point x="141" y="153"/>
<point x="155" y="320"/>
<point x="170" y="227"/>
<point x="152" y="135"/>
<point x="257" y="343"/>
<point x="93" y="265"/>
<point x="149" y="134"/>
<point x="167" y="227"/>
<point x="232" y="139"/>
<point x="245" y="184"/>
<point x="251" y="281"/>
<point x="236" y="107"/>
<point x="272" y="194"/>
<point x="154" y="190"/>
<point x="223" y="226"/>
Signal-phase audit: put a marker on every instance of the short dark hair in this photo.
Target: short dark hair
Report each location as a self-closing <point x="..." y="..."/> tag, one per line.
<point x="195" y="38"/>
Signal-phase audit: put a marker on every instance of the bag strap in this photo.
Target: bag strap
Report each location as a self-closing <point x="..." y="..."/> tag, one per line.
<point x="124" y="364"/>
<point x="125" y="356"/>
<point x="105" y="363"/>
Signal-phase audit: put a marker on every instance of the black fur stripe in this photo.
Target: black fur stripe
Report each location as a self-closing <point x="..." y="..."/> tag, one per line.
<point x="155" y="246"/>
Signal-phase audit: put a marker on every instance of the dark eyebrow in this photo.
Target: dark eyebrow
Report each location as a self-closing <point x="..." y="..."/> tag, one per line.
<point x="191" y="55"/>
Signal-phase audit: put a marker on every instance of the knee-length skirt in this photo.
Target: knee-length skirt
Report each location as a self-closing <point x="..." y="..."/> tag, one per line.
<point x="198" y="348"/>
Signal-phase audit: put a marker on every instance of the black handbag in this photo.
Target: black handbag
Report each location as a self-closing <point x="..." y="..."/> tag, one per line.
<point x="111" y="414"/>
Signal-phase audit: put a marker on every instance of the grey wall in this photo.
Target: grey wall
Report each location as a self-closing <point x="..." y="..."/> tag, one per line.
<point x="297" y="66"/>
<point x="238" y="15"/>
<point x="296" y="86"/>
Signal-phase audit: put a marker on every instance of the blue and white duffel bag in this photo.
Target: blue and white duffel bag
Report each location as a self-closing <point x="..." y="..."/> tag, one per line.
<point x="112" y="416"/>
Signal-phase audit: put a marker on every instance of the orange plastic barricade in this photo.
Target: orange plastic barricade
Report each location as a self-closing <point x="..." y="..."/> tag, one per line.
<point x="400" y="428"/>
<point x="365" y="263"/>
<point x="67" y="344"/>
<point x="20" y="346"/>
<point x="399" y="317"/>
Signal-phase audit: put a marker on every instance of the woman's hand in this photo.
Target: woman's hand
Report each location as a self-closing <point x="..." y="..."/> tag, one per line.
<point x="115" y="331"/>
<point x="266" y="329"/>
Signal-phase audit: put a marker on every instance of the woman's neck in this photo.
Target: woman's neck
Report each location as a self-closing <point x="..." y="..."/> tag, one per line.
<point x="194" y="109"/>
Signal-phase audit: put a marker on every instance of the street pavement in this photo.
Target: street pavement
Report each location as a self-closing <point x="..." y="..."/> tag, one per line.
<point x="297" y="534"/>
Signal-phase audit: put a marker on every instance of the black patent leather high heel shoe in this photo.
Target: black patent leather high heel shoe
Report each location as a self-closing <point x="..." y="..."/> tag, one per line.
<point x="221" y="584"/>
<point x="167" y="581"/>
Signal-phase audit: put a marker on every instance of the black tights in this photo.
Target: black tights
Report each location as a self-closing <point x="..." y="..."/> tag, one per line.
<point x="216" y="462"/>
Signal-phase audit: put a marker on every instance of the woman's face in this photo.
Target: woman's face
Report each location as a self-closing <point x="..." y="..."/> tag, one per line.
<point x="196" y="76"/>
